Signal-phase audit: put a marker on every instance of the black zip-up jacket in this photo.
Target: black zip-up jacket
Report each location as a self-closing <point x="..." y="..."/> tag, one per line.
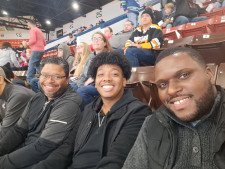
<point x="43" y="127"/>
<point x="123" y="123"/>
<point x="183" y="9"/>
<point x="156" y="145"/>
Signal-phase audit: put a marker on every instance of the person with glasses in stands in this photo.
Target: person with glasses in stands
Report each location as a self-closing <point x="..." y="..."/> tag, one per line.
<point x="50" y="118"/>
<point x="85" y="84"/>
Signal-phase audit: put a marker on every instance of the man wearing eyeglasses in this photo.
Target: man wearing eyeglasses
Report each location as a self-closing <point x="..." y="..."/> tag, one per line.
<point x="49" y="121"/>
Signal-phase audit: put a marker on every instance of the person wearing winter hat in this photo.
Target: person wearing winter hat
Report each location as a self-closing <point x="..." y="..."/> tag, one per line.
<point x="64" y="52"/>
<point x="143" y="41"/>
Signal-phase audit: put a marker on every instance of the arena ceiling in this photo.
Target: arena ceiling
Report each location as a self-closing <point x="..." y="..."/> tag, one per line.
<point x="59" y="12"/>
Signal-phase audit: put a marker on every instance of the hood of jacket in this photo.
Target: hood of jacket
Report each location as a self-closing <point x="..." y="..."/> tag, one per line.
<point x="66" y="50"/>
<point x="124" y="100"/>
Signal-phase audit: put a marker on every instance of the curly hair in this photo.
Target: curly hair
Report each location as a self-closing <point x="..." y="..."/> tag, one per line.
<point x="110" y="58"/>
<point x="57" y="61"/>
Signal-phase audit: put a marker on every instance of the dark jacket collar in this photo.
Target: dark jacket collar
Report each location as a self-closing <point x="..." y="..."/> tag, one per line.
<point x="124" y="100"/>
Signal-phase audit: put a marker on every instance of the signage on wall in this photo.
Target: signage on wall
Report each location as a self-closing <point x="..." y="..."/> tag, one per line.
<point x="99" y="14"/>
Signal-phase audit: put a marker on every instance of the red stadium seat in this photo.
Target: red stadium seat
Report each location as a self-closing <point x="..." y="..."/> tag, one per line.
<point x="218" y="12"/>
<point x="171" y="33"/>
<point x="217" y="24"/>
<point x="195" y="28"/>
<point x="211" y="46"/>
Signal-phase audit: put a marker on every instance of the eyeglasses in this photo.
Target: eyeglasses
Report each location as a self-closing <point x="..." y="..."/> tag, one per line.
<point x="53" y="77"/>
<point x="97" y="39"/>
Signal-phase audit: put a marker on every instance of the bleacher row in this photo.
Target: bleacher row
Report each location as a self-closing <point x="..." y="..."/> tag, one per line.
<point x="214" y="24"/>
<point x="142" y="78"/>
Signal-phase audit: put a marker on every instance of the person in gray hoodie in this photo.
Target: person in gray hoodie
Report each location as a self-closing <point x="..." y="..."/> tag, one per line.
<point x="65" y="53"/>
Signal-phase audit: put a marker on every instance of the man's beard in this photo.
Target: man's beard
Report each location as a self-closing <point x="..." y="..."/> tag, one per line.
<point x="205" y="103"/>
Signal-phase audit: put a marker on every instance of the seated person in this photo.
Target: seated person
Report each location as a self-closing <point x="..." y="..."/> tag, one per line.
<point x="188" y="11"/>
<point x="49" y="119"/>
<point x="187" y="131"/>
<point x="14" y="99"/>
<point x="85" y="84"/>
<point x="168" y="16"/>
<point x="117" y="41"/>
<point x="8" y="55"/>
<point x="81" y="57"/>
<point x="110" y="124"/>
<point x="64" y="52"/>
<point x="108" y="32"/>
<point x="147" y="37"/>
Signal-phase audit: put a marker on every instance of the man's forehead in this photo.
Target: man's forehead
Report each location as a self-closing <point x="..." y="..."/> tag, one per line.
<point x="174" y="63"/>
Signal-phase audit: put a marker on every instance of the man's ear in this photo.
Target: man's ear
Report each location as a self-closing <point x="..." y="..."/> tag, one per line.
<point x="210" y="74"/>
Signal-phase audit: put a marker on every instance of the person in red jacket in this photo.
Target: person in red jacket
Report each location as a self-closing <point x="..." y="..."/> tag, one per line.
<point x="36" y="43"/>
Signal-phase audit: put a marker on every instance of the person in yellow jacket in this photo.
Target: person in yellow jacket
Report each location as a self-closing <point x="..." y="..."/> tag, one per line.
<point x="142" y="42"/>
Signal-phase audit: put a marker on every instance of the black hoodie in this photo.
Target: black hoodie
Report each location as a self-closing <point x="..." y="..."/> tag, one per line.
<point x="121" y="126"/>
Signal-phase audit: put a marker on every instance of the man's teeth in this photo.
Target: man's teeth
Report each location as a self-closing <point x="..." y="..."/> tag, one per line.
<point x="180" y="101"/>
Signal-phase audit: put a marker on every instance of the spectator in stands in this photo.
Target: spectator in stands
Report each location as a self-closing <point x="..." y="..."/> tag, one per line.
<point x="117" y="42"/>
<point x="188" y="11"/>
<point x="8" y="55"/>
<point x="49" y="120"/>
<point x="86" y="86"/>
<point x="71" y="39"/>
<point x="64" y="52"/>
<point x="115" y="117"/>
<point x="168" y="16"/>
<point x="131" y="7"/>
<point x="14" y="99"/>
<point x="186" y="131"/>
<point x="156" y="15"/>
<point x="101" y="21"/>
<point x="214" y="5"/>
<point x="81" y="57"/>
<point x="108" y="32"/>
<point x="36" y="43"/>
<point x="147" y="37"/>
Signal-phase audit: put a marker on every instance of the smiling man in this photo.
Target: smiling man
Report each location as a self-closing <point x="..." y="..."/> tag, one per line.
<point x="187" y="131"/>
<point x="111" y="123"/>
<point x="49" y="120"/>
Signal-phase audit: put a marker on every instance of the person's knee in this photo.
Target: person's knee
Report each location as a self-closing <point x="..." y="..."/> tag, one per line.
<point x="180" y="20"/>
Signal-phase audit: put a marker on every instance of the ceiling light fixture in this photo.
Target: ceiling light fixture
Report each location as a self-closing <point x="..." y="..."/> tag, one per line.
<point x="48" y="22"/>
<point x="4" y="12"/>
<point x="75" y="6"/>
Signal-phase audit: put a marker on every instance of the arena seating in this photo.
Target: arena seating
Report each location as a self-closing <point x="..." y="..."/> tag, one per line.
<point x="195" y="28"/>
<point x="211" y="46"/>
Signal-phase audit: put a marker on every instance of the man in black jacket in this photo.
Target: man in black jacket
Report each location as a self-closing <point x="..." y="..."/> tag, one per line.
<point x="49" y="120"/>
<point x="188" y="11"/>
<point x="187" y="131"/>
<point x="111" y="123"/>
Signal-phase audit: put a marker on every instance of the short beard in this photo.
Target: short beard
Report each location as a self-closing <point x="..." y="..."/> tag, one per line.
<point x="205" y="103"/>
